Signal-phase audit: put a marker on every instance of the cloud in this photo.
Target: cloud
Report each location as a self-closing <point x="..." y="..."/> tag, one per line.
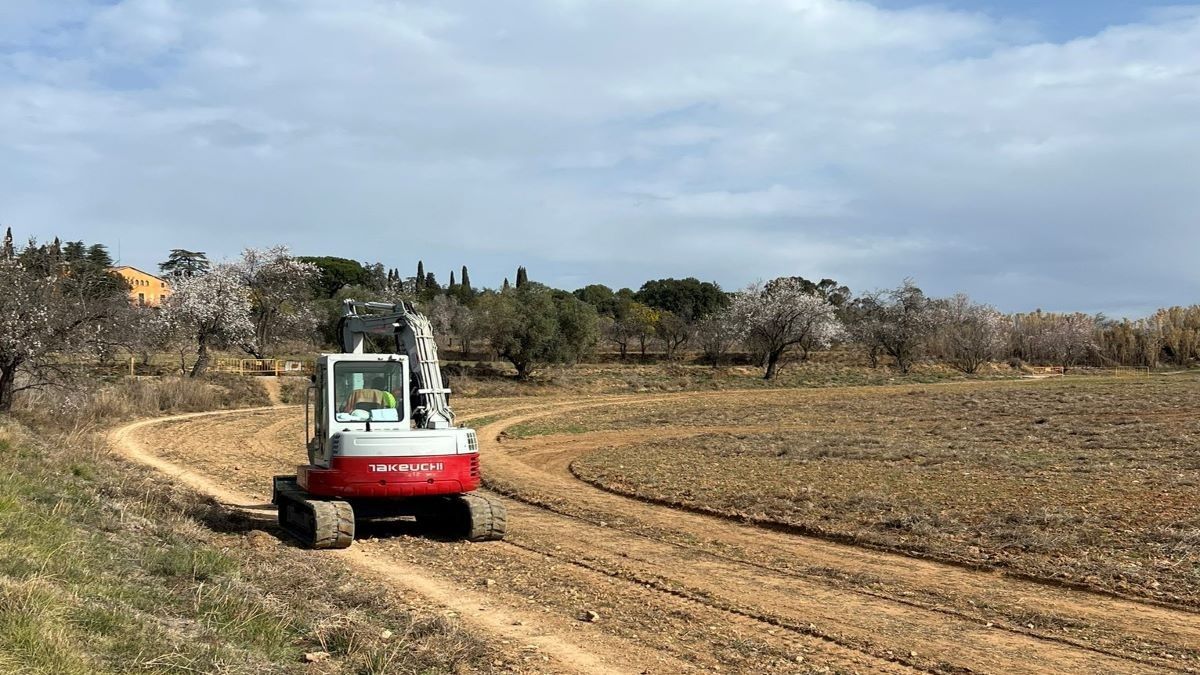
<point x="618" y="141"/>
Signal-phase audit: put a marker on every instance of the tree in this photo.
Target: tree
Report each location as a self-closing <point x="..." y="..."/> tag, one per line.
<point x="98" y="255"/>
<point x="337" y="273"/>
<point x="529" y="327"/>
<point x="7" y="251"/>
<point x="429" y="287"/>
<point x="826" y="289"/>
<point x="862" y="320"/>
<point x="377" y="275"/>
<point x="213" y="309"/>
<point x="46" y="311"/>
<point x="1178" y="329"/>
<point x="420" y="276"/>
<point x="451" y="319"/>
<point x="642" y="320"/>
<point x="184" y="263"/>
<point x="522" y="277"/>
<point x="599" y="296"/>
<point x="717" y="333"/>
<point x="907" y="320"/>
<point x="1046" y="337"/>
<point x="74" y="251"/>
<point x="780" y="315"/>
<point x="465" y="283"/>
<point x="673" y="330"/>
<point x="279" y="288"/>
<point x="969" y="334"/>
<point x="625" y="326"/>
<point x="690" y="299"/>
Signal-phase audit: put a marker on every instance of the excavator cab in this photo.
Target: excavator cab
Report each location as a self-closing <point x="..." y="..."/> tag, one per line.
<point x="382" y="440"/>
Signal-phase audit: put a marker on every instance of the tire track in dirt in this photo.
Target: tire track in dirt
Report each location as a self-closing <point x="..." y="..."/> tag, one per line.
<point x="666" y="640"/>
<point x="473" y="607"/>
<point x="711" y="566"/>
<point x="1118" y="623"/>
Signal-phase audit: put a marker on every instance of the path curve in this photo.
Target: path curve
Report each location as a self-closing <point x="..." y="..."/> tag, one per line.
<point x="793" y="598"/>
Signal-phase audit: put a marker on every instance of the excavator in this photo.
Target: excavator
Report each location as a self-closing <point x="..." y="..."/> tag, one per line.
<point x="382" y="442"/>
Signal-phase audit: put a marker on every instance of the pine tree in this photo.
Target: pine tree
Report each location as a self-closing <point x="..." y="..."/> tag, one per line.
<point x="74" y="251"/>
<point x="466" y="282"/>
<point x="184" y="263"/>
<point x="522" y="277"/>
<point x="8" y="250"/>
<point x="98" y="256"/>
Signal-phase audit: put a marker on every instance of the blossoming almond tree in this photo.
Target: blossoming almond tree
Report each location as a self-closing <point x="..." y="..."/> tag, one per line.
<point x="279" y="288"/>
<point x="969" y="334"/>
<point x="49" y="307"/>
<point x="781" y="315"/>
<point x="213" y="309"/>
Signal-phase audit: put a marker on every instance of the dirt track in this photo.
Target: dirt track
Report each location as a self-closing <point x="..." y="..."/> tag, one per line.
<point x="678" y="591"/>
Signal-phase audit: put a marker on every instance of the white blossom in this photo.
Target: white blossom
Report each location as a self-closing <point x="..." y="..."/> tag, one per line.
<point x="780" y="315"/>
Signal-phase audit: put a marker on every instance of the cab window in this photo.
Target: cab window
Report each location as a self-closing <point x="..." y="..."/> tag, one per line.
<point x="368" y="391"/>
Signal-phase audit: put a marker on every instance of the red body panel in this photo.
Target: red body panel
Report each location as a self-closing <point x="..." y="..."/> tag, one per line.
<point x="394" y="477"/>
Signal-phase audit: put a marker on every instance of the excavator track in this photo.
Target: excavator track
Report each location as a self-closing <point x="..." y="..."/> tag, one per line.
<point x="314" y="522"/>
<point x="482" y="518"/>
<point x="470" y="516"/>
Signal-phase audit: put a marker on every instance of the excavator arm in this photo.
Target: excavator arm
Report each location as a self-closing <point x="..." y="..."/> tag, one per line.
<point x="414" y="338"/>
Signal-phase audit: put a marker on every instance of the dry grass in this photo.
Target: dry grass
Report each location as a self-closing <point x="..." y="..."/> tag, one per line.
<point x="1095" y="481"/>
<point x="90" y="405"/>
<point x="291" y="389"/>
<point x="495" y="380"/>
<point x="106" y="567"/>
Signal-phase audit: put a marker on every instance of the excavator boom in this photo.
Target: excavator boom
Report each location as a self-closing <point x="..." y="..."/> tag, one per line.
<point x="414" y="337"/>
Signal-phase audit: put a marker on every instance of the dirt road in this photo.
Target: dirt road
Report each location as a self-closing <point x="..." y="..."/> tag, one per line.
<point x="681" y="592"/>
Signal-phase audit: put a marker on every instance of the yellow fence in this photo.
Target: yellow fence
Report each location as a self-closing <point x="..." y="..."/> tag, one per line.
<point x="274" y="367"/>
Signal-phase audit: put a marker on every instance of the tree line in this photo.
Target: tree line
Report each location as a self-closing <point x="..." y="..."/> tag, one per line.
<point x="66" y="300"/>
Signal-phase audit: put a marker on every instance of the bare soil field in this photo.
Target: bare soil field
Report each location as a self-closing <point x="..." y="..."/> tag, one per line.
<point x="593" y="581"/>
<point x="1092" y="481"/>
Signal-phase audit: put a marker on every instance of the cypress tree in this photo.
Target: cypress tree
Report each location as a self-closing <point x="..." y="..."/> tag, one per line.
<point x="466" y="281"/>
<point x="420" y="275"/>
<point x="8" y="250"/>
<point x="522" y="276"/>
<point x="452" y="284"/>
<point x="505" y="287"/>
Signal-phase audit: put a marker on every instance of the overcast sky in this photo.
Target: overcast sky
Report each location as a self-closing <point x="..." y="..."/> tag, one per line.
<point x="1032" y="154"/>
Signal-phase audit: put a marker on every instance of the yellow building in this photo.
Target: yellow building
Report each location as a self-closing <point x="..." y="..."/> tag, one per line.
<point x="145" y="290"/>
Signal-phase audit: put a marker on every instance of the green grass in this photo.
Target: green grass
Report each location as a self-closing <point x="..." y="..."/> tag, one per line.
<point x="542" y="428"/>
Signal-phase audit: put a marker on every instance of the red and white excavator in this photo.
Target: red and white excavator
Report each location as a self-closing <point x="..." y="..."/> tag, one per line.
<point x="382" y="442"/>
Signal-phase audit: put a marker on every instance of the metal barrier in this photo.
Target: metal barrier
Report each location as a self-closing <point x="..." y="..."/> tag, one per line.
<point x="274" y="367"/>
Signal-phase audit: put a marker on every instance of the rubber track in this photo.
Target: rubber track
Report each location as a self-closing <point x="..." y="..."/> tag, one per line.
<point x="324" y="524"/>
<point x="487" y="517"/>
